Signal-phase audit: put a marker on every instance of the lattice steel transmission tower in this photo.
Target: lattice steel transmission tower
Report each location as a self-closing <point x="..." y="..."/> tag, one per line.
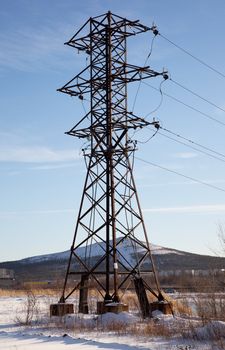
<point x="109" y="217"/>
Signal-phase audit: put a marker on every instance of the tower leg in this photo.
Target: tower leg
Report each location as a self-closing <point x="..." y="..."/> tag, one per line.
<point x="83" y="300"/>
<point x="142" y="297"/>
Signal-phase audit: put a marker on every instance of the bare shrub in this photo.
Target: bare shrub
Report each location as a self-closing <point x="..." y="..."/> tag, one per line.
<point x="212" y="331"/>
<point x="146" y="329"/>
<point x="221" y="236"/>
<point x="154" y="329"/>
<point x="210" y="307"/>
<point x="29" y="310"/>
<point x="115" y="326"/>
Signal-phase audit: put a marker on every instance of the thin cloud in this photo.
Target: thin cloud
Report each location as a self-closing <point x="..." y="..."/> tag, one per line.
<point x="53" y="166"/>
<point x="185" y="155"/>
<point x="29" y="48"/>
<point x="181" y="183"/>
<point x="37" y="155"/>
<point x="216" y="208"/>
<point x="13" y="214"/>
<point x="168" y="183"/>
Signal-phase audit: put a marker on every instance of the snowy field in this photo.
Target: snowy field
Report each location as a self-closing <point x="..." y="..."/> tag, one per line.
<point x="125" y="331"/>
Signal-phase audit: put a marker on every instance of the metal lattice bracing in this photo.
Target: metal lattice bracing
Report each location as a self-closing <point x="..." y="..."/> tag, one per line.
<point x="110" y="215"/>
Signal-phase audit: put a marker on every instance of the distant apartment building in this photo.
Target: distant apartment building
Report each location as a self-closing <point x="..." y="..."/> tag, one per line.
<point x="7" y="277"/>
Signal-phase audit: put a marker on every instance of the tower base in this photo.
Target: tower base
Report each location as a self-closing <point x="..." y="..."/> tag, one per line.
<point x="164" y="306"/>
<point x="61" y="309"/>
<point x="116" y="308"/>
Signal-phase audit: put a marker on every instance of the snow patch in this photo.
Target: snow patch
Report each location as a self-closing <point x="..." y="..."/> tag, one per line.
<point x="123" y="318"/>
<point x="211" y="331"/>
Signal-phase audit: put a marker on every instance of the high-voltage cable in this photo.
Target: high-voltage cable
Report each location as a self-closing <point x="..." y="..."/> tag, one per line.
<point x="156" y="32"/>
<point x="186" y="105"/>
<point x="180" y="174"/>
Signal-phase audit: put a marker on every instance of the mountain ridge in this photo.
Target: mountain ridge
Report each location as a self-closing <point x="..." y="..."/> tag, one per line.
<point x="53" y="266"/>
<point x="155" y="249"/>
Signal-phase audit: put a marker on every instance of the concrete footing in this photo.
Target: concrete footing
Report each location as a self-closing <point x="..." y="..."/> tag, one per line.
<point x="61" y="309"/>
<point x="164" y="306"/>
<point x="116" y="308"/>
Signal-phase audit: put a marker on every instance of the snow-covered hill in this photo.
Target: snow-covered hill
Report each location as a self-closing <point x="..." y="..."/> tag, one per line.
<point x="125" y="248"/>
<point x="53" y="266"/>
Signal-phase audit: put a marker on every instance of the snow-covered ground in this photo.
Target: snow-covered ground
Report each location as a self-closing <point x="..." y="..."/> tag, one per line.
<point x="109" y="331"/>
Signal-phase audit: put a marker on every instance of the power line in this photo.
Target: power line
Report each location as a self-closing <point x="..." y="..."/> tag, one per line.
<point x="192" y="147"/>
<point x="182" y="175"/>
<point x="187" y="105"/>
<point x="161" y="99"/>
<point x="193" y="142"/>
<point x="195" y="94"/>
<point x="143" y="142"/>
<point x="140" y="82"/>
<point x="193" y="56"/>
<point x="185" y="144"/>
<point x="156" y="32"/>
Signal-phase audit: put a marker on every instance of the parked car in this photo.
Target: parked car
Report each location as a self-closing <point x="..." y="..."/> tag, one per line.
<point x="169" y="290"/>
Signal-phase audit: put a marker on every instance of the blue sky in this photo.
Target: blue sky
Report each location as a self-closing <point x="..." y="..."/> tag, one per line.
<point x="42" y="170"/>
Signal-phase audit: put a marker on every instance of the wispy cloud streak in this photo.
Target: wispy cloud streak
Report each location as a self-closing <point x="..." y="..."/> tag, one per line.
<point x="13" y="214"/>
<point x="185" y="155"/>
<point x="29" y="48"/>
<point x="37" y="155"/>
<point x="214" y="208"/>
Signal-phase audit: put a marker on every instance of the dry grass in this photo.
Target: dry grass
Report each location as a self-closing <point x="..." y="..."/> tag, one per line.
<point x="210" y="307"/>
<point x="130" y="298"/>
<point x="180" y="307"/>
<point x="181" y="328"/>
<point x="23" y="291"/>
<point x="209" y="332"/>
<point x="148" y="328"/>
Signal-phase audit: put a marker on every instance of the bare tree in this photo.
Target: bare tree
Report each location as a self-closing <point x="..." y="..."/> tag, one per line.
<point x="221" y="236"/>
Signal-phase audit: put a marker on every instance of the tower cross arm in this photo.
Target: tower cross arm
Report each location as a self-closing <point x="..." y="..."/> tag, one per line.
<point x="129" y="121"/>
<point x="125" y="73"/>
<point x="82" y="38"/>
<point x="78" y="85"/>
<point x="132" y="73"/>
